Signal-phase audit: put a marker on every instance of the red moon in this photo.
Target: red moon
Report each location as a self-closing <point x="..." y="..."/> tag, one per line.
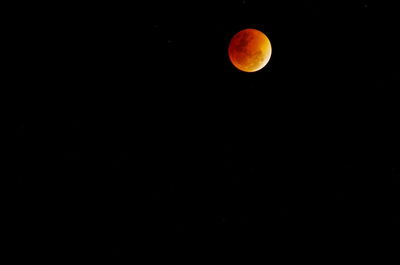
<point x="250" y="50"/>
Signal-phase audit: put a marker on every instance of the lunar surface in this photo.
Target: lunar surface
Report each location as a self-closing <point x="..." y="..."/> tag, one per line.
<point x="250" y="50"/>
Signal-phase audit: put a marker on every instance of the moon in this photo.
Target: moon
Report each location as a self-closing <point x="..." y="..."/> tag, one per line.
<point x="250" y="50"/>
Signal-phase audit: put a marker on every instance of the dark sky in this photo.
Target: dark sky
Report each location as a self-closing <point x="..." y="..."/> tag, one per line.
<point x="137" y="139"/>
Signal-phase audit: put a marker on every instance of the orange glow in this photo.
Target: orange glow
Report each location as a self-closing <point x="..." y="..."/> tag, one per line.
<point x="250" y="50"/>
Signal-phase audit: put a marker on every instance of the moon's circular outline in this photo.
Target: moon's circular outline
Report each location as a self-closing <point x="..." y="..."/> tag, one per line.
<point x="233" y="54"/>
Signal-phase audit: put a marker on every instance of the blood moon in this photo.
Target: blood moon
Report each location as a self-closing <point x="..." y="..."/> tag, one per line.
<point x="249" y="50"/>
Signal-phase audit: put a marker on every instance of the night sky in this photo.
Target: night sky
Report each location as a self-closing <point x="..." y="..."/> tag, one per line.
<point x="138" y="142"/>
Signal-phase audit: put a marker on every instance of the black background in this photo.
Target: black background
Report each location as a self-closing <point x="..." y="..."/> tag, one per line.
<point x="138" y="142"/>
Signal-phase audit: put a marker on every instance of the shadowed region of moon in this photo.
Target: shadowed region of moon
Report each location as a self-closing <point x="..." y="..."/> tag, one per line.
<point x="249" y="50"/>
